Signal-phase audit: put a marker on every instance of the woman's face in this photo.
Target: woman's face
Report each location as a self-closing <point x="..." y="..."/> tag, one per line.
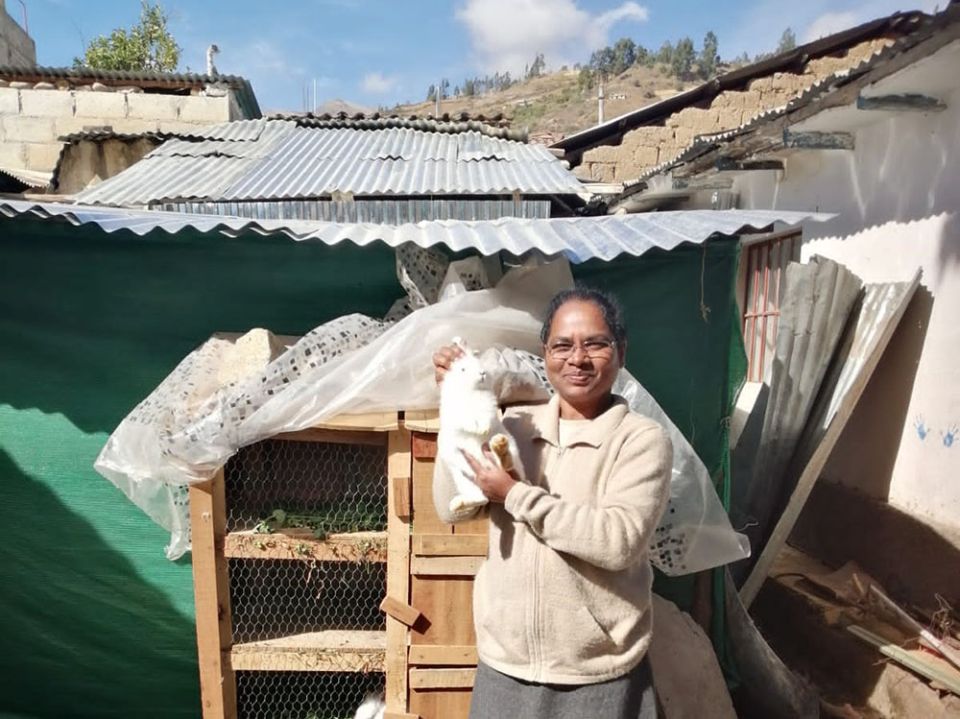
<point x="584" y="377"/>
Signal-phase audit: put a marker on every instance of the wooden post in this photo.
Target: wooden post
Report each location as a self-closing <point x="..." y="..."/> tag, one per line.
<point x="208" y="520"/>
<point x="399" y="471"/>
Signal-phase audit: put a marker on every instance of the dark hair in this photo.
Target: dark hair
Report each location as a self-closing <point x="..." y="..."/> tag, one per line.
<point x="608" y="305"/>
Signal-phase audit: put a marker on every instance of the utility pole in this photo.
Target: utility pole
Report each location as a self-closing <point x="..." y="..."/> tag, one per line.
<point x="314" y="95"/>
<point x="437" y="94"/>
<point x="600" y="102"/>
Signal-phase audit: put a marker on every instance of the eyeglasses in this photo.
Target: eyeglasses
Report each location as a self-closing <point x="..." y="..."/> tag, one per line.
<point x="600" y="348"/>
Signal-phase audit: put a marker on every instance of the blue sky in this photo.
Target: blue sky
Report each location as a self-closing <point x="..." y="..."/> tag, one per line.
<point x="379" y="52"/>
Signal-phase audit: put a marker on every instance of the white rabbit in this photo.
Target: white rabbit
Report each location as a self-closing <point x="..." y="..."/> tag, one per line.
<point x="470" y="418"/>
<point x="372" y="708"/>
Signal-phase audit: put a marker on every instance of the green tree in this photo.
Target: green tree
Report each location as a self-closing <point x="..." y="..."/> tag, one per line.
<point x="624" y="55"/>
<point x="682" y="61"/>
<point x="641" y="55"/>
<point x="788" y="41"/>
<point x="665" y="53"/>
<point x="148" y="45"/>
<point x="709" y="56"/>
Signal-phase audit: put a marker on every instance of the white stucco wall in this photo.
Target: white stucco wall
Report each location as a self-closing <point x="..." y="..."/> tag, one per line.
<point x="897" y="196"/>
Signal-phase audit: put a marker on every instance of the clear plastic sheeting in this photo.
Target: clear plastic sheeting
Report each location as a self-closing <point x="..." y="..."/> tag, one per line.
<point x="191" y="424"/>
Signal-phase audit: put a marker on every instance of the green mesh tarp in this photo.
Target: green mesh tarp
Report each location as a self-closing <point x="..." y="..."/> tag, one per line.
<point x="97" y="623"/>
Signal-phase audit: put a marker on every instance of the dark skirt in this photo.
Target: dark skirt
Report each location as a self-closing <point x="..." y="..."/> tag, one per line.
<point x="497" y="696"/>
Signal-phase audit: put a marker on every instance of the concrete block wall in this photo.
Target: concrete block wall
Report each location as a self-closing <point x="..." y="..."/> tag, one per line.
<point x="16" y="47"/>
<point x="32" y="120"/>
<point x="645" y="148"/>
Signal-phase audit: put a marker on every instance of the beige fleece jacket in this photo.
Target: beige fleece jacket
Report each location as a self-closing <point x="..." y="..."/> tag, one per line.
<point x="564" y="595"/>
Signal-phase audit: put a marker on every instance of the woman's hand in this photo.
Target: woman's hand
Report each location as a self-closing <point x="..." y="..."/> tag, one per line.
<point x="443" y="358"/>
<point x="493" y="481"/>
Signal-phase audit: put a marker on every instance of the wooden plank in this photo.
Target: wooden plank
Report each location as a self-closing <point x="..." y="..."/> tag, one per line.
<point x="422" y="420"/>
<point x="399" y="468"/>
<point x="818" y="140"/>
<point x="441" y="703"/>
<point x="402" y="502"/>
<point x="443" y="655"/>
<point x="447" y="545"/>
<point x="302" y="544"/>
<point x="425" y="518"/>
<point x="864" y="354"/>
<point x="401" y="611"/>
<point x="447" y="606"/>
<point x="327" y="651"/>
<point x="370" y="422"/>
<point x="208" y="520"/>
<point x="339" y="436"/>
<point x="400" y="715"/>
<point x="908" y="102"/>
<point x="424" y="446"/>
<point x="926" y="665"/>
<point x="442" y="678"/>
<point x="446" y="566"/>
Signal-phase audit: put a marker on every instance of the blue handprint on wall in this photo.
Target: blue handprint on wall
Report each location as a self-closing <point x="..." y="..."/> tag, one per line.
<point x="921" y="427"/>
<point x="949" y="436"/>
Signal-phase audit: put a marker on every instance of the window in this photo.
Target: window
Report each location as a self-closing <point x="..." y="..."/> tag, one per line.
<point x="764" y="263"/>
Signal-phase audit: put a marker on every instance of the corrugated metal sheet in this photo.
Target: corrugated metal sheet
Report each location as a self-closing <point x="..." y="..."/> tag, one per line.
<point x="288" y="162"/>
<point x="30" y="178"/>
<point x="818" y="299"/>
<point x="579" y="238"/>
<point x="389" y="211"/>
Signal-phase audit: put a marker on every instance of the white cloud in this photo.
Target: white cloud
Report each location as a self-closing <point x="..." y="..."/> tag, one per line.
<point x="376" y="83"/>
<point x="829" y="23"/>
<point x="506" y="34"/>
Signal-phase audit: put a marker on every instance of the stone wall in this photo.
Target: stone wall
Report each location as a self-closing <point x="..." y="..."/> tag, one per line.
<point x="644" y="148"/>
<point x="34" y="117"/>
<point x="16" y="47"/>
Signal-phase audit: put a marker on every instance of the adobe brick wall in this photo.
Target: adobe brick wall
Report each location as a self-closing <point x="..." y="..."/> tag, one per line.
<point x="645" y="148"/>
<point x="32" y="120"/>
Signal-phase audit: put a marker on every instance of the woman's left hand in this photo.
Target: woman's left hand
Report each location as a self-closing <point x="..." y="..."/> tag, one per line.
<point x="493" y="481"/>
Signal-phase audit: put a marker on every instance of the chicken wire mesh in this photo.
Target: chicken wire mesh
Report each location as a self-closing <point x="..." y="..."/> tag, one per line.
<point x="321" y="608"/>
<point x="303" y="695"/>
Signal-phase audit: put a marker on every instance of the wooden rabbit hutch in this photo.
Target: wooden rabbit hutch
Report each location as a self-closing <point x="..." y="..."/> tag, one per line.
<point x="322" y="574"/>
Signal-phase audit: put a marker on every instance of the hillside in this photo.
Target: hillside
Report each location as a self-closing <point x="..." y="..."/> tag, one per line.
<point x="555" y="105"/>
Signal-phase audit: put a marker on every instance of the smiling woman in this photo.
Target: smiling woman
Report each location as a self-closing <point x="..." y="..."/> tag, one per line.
<point x="562" y="606"/>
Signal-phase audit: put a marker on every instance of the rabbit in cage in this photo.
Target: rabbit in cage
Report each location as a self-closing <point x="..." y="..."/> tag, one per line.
<point x="470" y="419"/>
<point x="372" y="708"/>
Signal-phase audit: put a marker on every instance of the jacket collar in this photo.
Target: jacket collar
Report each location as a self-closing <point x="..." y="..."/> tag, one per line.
<point x="546" y="420"/>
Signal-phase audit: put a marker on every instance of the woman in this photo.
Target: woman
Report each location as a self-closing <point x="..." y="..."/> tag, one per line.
<point x="562" y="604"/>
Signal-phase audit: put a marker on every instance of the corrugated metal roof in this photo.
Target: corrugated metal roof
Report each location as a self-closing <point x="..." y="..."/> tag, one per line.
<point x="30" y="178"/>
<point x="579" y="238"/>
<point x="287" y="162"/>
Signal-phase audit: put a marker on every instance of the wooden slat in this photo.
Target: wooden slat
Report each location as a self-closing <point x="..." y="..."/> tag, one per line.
<point x="446" y="566"/>
<point x="401" y="611"/>
<point x="422" y="420"/>
<point x="424" y="446"/>
<point x="425" y="519"/>
<point x="456" y="655"/>
<point x="399" y="469"/>
<point x="447" y="545"/>
<point x="370" y="422"/>
<point x="441" y="703"/>
<point x="338" y="436"/>
<point x="327" y="651"/>
<point x="208" y="519"/>
<point x="302" y="544"/>
<point x="401" y="501"/>
<point x="400" y="715"/>
<point x="447" y="606"/>
<point x="442" y="678"/>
